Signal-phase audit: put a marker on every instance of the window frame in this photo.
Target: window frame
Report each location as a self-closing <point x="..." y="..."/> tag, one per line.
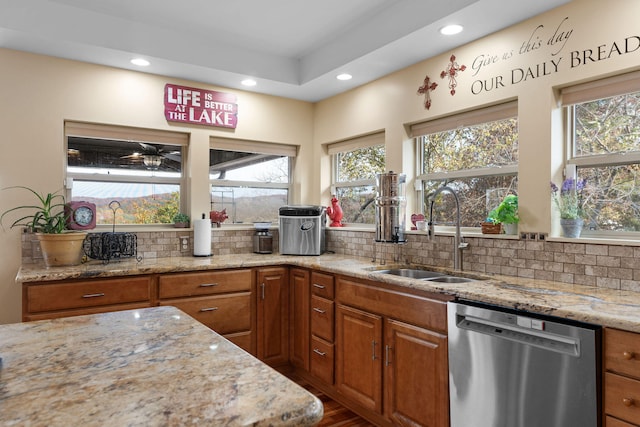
<point x="352" y="144"/>
<point x="591" y="91"/>
<point x="129" y="134"/>
<point x="471" y="118"/>
<point x="259" y="147"/>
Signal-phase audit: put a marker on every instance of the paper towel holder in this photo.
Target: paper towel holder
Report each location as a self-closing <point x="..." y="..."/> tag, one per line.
<point x="202" y="237"/>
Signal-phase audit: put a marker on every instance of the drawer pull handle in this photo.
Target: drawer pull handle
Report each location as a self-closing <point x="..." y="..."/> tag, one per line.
<point x="373" y="350"/>
<point x="628" y="355"/>
<point x="321" y="353"/>
<point x="627" y="402"/>
<point x="319" y="310"/>
<point x="101" y="294"/>
<point x="208" y="309"/>
<point x="208" y="285"/>
<point x="315" y="285"/>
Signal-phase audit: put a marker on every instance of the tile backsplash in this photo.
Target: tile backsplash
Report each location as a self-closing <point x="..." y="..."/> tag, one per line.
<point x="586" y="264"/>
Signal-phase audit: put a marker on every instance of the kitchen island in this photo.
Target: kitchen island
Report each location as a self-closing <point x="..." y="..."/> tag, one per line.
<point x="154" y="366"/>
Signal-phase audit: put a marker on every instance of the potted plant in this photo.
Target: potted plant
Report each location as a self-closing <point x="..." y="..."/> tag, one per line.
<point x="506" y="213"/>
<point x="181" y="220"/>
<point x="48" y="220"/>
<point x="568" y="200"/>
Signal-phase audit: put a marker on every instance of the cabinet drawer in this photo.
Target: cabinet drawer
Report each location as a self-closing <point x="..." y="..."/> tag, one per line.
<point x="622" y="352"/>
<point x="622" y="398"/>
<point x="64" y="296"/>
<point x="413" y="309"/>
<point x="322" y="285"/>
<point x="322" y="318"/>
<point x="204" y="283"/>
<point x="614" y="422"/>
<point x="322" y="360"/>
<point x="244" y="340"/>
<point x="224" y="313"/>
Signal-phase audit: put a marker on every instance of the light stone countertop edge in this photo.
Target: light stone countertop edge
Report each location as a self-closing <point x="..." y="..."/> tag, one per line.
<point x="603" y="306"/>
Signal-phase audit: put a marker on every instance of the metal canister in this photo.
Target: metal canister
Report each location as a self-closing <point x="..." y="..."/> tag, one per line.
<point x="390" y="207"/>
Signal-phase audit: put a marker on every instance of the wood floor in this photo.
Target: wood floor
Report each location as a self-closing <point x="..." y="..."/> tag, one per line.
<point x="335" y="415"/>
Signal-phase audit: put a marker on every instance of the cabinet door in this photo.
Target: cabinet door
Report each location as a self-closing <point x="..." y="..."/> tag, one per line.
<point x="358" y="356"/>
<point x="299" y="332"/>
<point x="273" y="315"/>
<point x="416" y="376"/>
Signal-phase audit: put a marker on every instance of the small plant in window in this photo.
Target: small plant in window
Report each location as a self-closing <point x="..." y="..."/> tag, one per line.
<point x="181" y="220"/>
<point x="568" y="198"/>
<point x="506" y="212"/>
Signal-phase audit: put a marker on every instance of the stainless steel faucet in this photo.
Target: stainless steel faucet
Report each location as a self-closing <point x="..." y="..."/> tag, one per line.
<point x="459" y="244"/>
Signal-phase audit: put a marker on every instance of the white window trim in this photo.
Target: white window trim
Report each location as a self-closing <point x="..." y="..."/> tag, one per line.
<point x="352" y="144"/>
<point x="591" y="91"/>
<point x="127" y="133"/>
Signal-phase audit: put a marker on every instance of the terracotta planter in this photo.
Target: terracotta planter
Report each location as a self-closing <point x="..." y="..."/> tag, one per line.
<point x="62" y="249"/>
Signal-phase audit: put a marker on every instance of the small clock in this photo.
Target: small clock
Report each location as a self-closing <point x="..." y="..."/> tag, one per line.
<point x="81" y="215"/>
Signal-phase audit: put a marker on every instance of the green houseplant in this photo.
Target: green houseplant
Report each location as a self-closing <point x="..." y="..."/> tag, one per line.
<point x="181" y="220"/>
<point x="506" y="213"/>
<point x="48" y="220"/>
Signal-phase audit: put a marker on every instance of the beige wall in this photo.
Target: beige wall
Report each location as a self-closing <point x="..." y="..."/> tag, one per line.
<point x="392" y="102"/>
<point x="39" y="93"/>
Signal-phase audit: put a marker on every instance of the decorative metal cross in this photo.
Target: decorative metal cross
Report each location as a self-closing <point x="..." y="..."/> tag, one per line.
<point x="426" y="89"/>
<point x="452" y="71"/>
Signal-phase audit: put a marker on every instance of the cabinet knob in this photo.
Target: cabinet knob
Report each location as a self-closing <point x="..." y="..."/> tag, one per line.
<point x="627" y="401"/>
<point x="628" y="355"/>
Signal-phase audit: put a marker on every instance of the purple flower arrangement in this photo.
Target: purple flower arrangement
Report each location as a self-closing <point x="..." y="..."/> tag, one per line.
<point x="568" y="198"/>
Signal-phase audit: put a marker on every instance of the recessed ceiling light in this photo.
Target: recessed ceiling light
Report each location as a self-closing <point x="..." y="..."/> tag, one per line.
<point x="344" y="76"/>
<point x="450" y="30"/>
<point x="141" y="62"/>
<point x="249" y="82"/>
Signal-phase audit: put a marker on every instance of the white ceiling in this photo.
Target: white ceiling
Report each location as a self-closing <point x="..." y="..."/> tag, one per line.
<point x="292" y="48"/>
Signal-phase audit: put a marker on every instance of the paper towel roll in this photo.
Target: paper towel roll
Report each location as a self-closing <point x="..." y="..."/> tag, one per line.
<point x="202" y="237"/>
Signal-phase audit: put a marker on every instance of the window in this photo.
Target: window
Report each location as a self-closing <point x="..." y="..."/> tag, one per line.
<point x="604" y="150"/>
<point x="355" y="164"/>
<point x="140" y="169"/>
<point x="475" y="154"/>
<point x="250" y="180"/>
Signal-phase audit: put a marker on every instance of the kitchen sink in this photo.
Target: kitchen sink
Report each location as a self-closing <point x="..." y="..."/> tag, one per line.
<point x="451" y="279"/>
<point x="432" y="276"/>
<point x="412" y="273"/>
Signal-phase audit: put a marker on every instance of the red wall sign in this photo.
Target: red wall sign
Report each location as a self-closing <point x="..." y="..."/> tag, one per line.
<point x="198" y="106"/>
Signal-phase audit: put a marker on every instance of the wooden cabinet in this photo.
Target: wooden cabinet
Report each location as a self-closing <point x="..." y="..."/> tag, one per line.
<point x="621" y="378"/>
<point x="273" y="315"/>
<point x="416" y="366"/>
<point x="358" y="362"/>
<point x="220" y="299"/>
<point x="299" y="318"/>
<point x="322" y="326"/>
<point x="48" y="300"/>
<point x="391" y="353"/>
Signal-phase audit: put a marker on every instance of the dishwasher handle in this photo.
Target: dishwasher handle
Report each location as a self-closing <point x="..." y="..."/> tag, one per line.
<point x="541" y="339"/>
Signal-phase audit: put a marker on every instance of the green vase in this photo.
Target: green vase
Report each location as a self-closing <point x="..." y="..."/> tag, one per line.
<point x="571" y="227"/>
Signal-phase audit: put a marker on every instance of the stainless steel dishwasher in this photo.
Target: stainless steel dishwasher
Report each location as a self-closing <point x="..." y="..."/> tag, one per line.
<point x="510" y="368"/>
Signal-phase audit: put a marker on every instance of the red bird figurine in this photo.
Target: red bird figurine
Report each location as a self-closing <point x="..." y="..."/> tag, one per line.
<point x="335" y="213"/>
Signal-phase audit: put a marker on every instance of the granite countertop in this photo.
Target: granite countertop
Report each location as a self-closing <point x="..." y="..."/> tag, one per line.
<point x="607" y="307"/>
<point x="154" y="366"/>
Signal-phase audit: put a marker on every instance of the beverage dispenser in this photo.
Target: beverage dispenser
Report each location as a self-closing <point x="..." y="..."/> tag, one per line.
<point x="390" y="207"/>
